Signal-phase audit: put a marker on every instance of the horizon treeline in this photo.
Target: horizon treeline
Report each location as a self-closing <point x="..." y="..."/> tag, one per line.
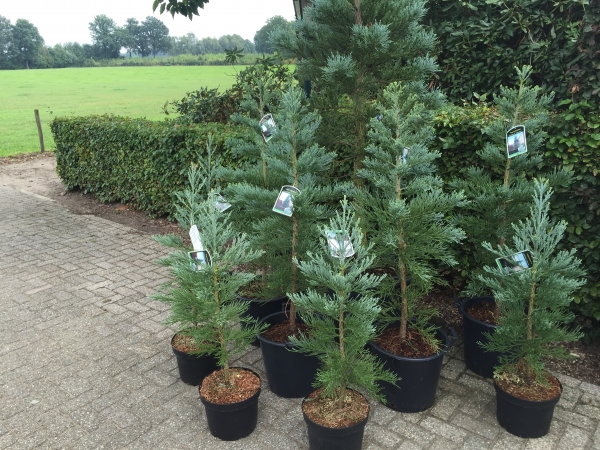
<point x="22" y="46"/>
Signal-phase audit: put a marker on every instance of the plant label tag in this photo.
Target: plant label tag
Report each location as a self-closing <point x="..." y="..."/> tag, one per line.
<point x="284" y="203"/>
<point x="195" y="237"/>
<point x="404" y="155"/>
<point x="199" y="260"/>
<point x="268" y="127"/>
<point x="517" y="262"/>
<point x="220" y="203"/>
<point x="516" y="141"/>
<point x="339" y="244"/>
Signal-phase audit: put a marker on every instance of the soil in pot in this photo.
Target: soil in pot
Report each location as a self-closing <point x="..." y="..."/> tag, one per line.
<point x="290" y="374"/>
<point x="418" y="366"/>
<point x="332" y="428"/>
<point x="261" y="308"/>
<point x="192" y="368"/>
<point x="231" y="405"/>
<point x="479" y="318"/>
<point x="526" y="411"/>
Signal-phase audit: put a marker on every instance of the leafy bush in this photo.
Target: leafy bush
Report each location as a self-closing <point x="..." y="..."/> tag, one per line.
<point x="481" y="41"/>
<point x="207" y="105"/>
<point x="134" y="161"/>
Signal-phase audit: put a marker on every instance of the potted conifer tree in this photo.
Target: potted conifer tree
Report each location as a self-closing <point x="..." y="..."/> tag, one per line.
<point x="409" y="224"/>
<point x="180" y="291"/>
<point x="290" y="169"/>
<point x="341" y="323"/>
<point x="499" y="193"/>
<point x="204" y="286"/>
<point x="251" y="187"/>
<point x="534" y="300"/>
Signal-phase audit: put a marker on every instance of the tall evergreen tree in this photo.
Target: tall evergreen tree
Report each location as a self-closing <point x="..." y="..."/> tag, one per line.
<point x="291" y="158"/>
<point x="407" y="209"/>
<point x="499" y="190"/>
<point x="350" y="50"/>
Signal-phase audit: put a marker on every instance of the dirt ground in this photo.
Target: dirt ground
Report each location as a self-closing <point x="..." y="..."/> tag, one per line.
<point x="36" y="173"/>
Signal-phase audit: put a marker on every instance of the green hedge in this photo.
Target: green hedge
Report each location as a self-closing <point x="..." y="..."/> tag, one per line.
<point x="134" y="161"/>
<point x="573" y="143"/>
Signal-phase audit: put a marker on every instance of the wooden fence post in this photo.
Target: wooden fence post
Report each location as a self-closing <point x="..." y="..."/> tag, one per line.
<point x="39" y="126"/>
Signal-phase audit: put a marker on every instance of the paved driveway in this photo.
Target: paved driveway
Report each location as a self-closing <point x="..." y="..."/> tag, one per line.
<point x="86" y="364"/>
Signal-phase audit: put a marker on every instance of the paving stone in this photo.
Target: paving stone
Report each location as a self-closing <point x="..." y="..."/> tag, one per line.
<point x="445" y="406"/>
<point x="476" y="426"/>
<point x="382" y="435"/>
<point x="100" y="373"/>
<point x="453" y="369"/>
<point x="444" y="429"/>
<point x="574" y="439"/>
<point x="574" y="418"/>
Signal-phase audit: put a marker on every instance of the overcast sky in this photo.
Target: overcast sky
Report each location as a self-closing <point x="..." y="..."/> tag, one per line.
<point x="61" y="21"/>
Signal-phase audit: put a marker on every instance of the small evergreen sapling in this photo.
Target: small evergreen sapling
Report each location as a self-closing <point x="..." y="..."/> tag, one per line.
<point x="202" y="297"/>
<point x="342" y="322"/>
<point x="534" y="302"/>
<point x="499" y="191"/>
<point x="292" y="158"/>
<point x="407" y="209"/>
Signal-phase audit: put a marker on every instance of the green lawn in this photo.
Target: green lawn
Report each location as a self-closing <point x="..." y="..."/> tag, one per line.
<point x="124" y="91"/>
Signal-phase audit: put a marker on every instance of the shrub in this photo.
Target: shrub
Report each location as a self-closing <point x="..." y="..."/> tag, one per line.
<point x="134" y="161"/>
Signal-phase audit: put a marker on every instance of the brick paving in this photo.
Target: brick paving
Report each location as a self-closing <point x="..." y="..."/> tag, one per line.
<point x="85" y="362"/>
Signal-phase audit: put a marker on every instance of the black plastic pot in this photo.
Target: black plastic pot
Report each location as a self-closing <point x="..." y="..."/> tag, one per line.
<point x="193" y="368"/>
<point x="419" y="377"/>
<point x="325" y="438"/>
<point x="259" y="309"/>
<point x="524" y="418"/>
<point x="477" y="358"/>
<point x="232" y="421"/>
<point x="290" y="374"/>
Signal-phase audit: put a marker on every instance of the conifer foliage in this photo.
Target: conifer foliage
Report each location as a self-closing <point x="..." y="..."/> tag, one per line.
<point x="407" y="209"/>
<point x="290" y="158"/>
<point x="350" y="50"/>
<point x="533" y="302"/>
<point x="341" y="322"/>
<point x="499" y="190"/>
<point x="202" y="296"/>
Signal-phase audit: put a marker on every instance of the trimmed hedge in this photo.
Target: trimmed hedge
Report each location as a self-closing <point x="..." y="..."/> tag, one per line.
<point x="134" y="161"/>
<point x="574" y="143"/>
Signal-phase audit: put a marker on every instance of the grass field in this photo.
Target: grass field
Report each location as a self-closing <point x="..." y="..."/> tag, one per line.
<point x="123" y="91"/>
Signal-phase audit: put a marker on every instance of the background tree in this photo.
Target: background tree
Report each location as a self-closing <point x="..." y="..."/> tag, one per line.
<point x="350" y="50"/>
<point x="6" y="42"/>
<point x="156" y="34"/>
<point x="27" y="42"/>
<point x="105" y="39"/>
<point x="128" y="34"/>
<point x="230" y="41"/>
<point x="211" y="45"/>
<point x="261" y="38"/>
<point x="187" y="44"/>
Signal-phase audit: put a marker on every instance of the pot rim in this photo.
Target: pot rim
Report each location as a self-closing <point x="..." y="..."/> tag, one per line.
<point x="260" y="300"/>
<point x="448" y="343"/>
<point x="533" y="402"/>
<point x="461" y="303"/>
<point x="261" y="338"/>
<point x="205" y="401"/>
<point x="315" y="424"/>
